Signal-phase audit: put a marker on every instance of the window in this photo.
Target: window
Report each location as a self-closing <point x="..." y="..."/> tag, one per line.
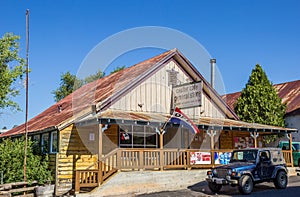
<point x="45" y="143"/>
<point x="53" y="142"/>
<point x="137" y="137"/>
<point x="36" y="139"/>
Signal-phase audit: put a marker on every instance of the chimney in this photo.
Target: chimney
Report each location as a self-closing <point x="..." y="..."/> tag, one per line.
<point x="212" y="73"/>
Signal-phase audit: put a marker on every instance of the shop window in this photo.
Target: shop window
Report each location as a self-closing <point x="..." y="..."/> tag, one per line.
<point x="54" y="142"/>
<point x="125" y="136"/>
<point x="45" y="143"/>
<point x="137" y="137"/>
<point x="151" y="137"/>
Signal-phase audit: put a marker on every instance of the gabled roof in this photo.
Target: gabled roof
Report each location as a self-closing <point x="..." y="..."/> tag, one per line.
<point x="107" y="90"/>
<point x="289" y="92"/>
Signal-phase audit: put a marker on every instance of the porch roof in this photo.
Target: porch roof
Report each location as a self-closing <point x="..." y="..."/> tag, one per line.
<point x="203" y="122"/>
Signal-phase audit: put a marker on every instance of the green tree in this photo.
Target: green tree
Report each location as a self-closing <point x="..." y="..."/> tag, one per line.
<point x="117" y="69"/>
<point x="259" y="102"/>
<point x="69" y="83"/>
<point x="12" y="69"/>
<point x="11" y="162"/>
<point x="99" y="74"/>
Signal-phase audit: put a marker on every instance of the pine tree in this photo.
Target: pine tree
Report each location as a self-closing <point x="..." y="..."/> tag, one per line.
<point x="259" y="102"/>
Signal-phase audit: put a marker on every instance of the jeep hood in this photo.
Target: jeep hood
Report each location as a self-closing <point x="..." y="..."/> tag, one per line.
<point x="238" y="165"/>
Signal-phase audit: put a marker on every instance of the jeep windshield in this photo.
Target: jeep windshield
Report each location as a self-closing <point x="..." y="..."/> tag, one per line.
<point x="243" y="156"/>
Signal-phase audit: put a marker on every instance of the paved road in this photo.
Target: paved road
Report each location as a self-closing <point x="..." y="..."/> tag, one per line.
<point x="263" y="189"/>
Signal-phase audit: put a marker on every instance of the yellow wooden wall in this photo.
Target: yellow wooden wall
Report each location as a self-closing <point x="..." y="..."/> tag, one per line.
<point x="73" y="154"/>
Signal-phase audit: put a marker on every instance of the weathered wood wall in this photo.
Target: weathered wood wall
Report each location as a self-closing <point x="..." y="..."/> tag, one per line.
<point x="154" y="94"/>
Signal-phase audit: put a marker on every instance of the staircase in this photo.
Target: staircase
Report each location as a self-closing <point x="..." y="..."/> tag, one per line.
<point x="107" y="166"/>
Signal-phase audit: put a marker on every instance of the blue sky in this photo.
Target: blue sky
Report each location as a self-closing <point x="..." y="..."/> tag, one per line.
<point x="239" y="34"/>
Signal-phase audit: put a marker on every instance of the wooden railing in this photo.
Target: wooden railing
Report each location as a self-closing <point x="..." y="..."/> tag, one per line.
<point x="152" y="159"/>
<point x="287" y="155"/>
<point x="94" y="177"/>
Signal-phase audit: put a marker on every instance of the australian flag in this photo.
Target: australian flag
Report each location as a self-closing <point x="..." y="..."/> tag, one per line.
<point x="178" y="117"/>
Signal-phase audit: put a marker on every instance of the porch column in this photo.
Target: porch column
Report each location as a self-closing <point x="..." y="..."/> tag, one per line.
<point x="291" y="149"/>
<point x="100" y="175"/>
<point x="212" y="145"/>
<point x="254" y="135"/>
<point x="161" y="146"/>
<point x="100" y="142"/>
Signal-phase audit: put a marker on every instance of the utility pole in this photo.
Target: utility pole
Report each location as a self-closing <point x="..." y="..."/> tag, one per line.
<point x="26" y="87"/>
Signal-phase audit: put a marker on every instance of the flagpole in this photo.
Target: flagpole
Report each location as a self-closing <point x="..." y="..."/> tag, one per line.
<point x="26" y="87"/>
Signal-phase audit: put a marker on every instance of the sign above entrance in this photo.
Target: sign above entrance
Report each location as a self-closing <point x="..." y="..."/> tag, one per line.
<point x="188" y="95"/>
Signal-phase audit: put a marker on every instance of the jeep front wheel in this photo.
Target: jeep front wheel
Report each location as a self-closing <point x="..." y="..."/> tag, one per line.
<point x="281" y="180"/>
<point x="214" y="187"/>
<point x="245" y="184"/>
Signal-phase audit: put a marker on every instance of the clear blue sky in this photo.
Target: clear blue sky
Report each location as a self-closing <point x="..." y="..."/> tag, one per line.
<point x="239" y="34"/>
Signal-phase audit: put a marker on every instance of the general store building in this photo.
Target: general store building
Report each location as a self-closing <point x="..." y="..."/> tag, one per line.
<point x="120" y="122"/>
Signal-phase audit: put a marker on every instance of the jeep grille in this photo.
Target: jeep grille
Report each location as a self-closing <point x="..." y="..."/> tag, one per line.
<point x="221" y="173"/>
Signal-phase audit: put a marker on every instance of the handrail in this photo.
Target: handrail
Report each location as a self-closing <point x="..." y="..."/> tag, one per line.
<point x="101" y="159"/>
<point x="107" y="166"/>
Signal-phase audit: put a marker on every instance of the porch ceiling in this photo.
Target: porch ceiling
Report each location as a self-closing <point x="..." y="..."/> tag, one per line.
<point x="203" y="122"/>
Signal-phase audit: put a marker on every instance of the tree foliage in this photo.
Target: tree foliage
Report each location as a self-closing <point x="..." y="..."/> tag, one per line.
<point x="69" y="83"/>
<point x="11" y="162"/>
<point x="12" y="69"/>
<point x="259" y="102"/>
<point x="117" y="69"/>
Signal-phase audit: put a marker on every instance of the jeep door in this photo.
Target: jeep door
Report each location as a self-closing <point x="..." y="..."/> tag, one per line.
<point x="264" y="166"/>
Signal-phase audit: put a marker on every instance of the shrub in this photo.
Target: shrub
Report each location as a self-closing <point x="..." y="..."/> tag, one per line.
<point x="12" y="162"/>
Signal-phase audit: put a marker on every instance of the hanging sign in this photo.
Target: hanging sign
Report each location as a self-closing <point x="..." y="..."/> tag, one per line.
<point x="188" y="95"/>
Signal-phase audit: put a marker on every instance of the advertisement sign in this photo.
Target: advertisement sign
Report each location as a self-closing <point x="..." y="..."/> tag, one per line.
<point x="200" y="158"/>
<point x="243" y="142"/>
<point x="222" y="157"/>
<point x="187" y="95"/>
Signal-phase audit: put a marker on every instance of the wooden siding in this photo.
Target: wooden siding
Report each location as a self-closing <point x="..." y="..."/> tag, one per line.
<point x="73" y="154"/>
<point x="154" y="95"/>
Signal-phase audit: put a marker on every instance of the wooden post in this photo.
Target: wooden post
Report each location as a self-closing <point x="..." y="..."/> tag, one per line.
<point x="291" y="149"/>
<point x="212" y="147"/>
<point x="161" y="146"/>
<point x="100" y="142"/>
<point x="255" y="140"/>
<point x="77" y="182"/>
<point x="100" y="175"/>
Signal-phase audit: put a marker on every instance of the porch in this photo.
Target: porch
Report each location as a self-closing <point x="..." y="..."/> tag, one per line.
<point x="153" y="160"/>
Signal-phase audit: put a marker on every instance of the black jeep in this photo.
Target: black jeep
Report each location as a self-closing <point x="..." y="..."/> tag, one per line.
<point x="248" y="167"/>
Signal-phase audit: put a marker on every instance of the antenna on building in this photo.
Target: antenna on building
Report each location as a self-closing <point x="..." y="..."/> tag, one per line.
<point x="26" y="111"/>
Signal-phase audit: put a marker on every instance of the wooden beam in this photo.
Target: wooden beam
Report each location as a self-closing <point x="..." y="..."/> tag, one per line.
<point x="212" y="146"/>
<point x="291" y="149"/>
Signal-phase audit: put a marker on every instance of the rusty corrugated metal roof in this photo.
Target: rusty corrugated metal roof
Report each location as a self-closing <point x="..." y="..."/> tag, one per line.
<point x="289" y="92"/>
<point x="84" y="97"/>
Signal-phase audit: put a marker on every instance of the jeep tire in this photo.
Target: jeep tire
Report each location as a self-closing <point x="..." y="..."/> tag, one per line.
<point x="214" y="187"/>
<point x="245" y="184"/>
<point x="281" y="180"/>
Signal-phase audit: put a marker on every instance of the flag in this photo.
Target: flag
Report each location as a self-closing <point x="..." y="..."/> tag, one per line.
<point x="180" y="118"/>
